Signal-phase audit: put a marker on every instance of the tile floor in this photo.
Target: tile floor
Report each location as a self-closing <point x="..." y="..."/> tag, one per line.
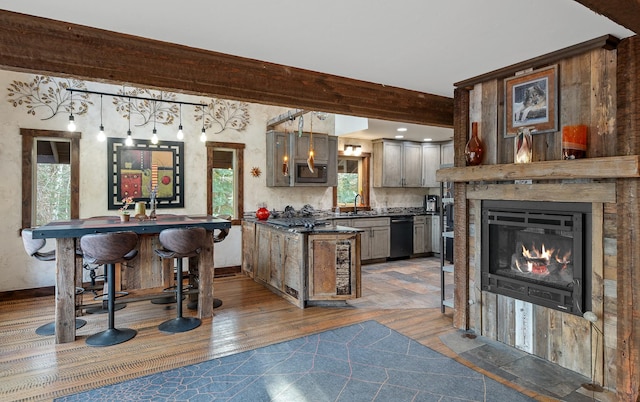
<point x="415" y="283"/>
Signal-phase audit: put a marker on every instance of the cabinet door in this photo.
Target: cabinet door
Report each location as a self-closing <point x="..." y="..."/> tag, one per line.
<point x="320" y="147"/>
<point x="278" y="145"/>
<point x="412" y="164"/>
<point x="387" y="166"/>
<point x="263" y="248"/>
<point x="294" y="264"/>
<point x="418" y="238"/>
<point x="380" y="242"/>
<point x="333" y="267"/>
<point x="277" y="256"/>
<point x="365" y="245"/>
<point x="332" y="163"/>
<point x="446" y="154"/>
<point x="436" y="234"/>
<point x="430" y="164"/>
<point x="248" y="248"/>
<point x="428" y="235"/>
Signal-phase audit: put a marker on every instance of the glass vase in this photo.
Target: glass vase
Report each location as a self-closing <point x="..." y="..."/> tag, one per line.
<point x="474" y="150"/>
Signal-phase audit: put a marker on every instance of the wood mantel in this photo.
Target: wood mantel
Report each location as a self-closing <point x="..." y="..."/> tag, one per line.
<point x="588" y="168"/>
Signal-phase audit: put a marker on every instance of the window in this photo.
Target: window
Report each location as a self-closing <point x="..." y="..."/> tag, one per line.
<point x="224" y="179"/>
<point x="353" y="178"/>
<point x="50" y="176"/>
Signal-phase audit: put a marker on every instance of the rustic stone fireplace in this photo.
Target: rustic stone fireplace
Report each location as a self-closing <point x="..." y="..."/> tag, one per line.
<point x="538" y="252"/>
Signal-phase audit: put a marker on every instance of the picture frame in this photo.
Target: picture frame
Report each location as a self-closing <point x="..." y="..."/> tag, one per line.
<point x="531" y="100"/>
<point x="133" y="169"/>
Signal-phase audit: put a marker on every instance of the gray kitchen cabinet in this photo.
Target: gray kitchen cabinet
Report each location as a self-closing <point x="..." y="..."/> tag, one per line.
<point x="375" y="238"/>
<point x="278" y="146"/>
<point x="436" y="233"/>
<point x="430" y="164"/>
<point x="320" y="147"/>
<point x="397" y="164"/>
<point x="446" y="153"/>
<point x="422" y="234"/>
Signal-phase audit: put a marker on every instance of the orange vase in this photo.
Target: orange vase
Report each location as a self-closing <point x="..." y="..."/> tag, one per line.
<point x="474" y="150"/>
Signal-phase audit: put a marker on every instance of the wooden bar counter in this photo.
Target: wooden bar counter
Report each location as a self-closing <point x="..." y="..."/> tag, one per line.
<point x="67" y="234"/>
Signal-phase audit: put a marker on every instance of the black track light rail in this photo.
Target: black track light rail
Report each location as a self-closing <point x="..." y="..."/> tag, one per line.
<point x="84" y="91"/>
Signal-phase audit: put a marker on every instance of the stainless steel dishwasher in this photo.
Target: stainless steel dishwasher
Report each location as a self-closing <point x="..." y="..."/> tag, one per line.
<point x="401" y="236"/>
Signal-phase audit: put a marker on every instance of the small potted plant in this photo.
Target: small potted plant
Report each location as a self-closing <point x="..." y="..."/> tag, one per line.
<point x="124" y="213"/>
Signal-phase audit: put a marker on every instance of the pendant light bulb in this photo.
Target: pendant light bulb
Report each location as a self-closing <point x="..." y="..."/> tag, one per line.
<point x="154" y="137"/>
<point x="180" y="134"/>
<point x="72" y="125"/>
<point x="129" y="141"/>
<point x="101" y="135"/>
<point x="203" y="136"/>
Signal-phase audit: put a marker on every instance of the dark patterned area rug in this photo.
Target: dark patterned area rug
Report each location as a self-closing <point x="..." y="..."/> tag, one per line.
<point x="361" y="362"/>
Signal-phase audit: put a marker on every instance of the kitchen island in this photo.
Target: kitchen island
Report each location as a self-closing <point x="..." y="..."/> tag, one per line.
<point x="305" y="265"/>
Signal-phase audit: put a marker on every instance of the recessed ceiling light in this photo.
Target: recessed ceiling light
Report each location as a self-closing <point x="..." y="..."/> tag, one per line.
<point x="402" y="129"/>
<point x="428" y="139"/>
<point x="399" y="136"/>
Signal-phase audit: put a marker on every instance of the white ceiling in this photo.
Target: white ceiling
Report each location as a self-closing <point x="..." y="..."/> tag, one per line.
<point x="414" y="44"/>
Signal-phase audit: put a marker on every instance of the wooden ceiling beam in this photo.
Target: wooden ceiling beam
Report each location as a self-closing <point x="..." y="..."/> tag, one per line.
<point x="49" y="47"/>
<point x="623" y="12"/>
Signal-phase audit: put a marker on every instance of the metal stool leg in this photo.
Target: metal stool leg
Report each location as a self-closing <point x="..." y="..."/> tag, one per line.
<point x="180" y="323"/>
<point x="112" y="335"/>
<point x="50" y="328"/>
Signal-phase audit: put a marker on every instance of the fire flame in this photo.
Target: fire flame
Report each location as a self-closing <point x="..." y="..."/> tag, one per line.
<point x="538" y="260"/>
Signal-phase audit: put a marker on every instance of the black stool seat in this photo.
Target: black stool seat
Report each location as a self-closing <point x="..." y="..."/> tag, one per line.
<point x="32" y="247"/>
<point x="110" y="249"/>
<point x="180" y="243"/>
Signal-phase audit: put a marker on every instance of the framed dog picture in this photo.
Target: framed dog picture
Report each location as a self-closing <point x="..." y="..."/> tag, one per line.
<point x="531" y="100"/>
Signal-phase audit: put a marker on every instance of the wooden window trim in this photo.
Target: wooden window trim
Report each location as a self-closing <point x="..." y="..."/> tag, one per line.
<point x="239" y="174"/>
<point x="28" y="140"/>
<point x="366" y="174"/>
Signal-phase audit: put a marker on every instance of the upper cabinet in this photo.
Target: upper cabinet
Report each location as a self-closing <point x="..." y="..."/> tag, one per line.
<point x="296" y="149"/>
<point x="430" y="164"/>
<point x="406" y="163"/>
<point x="446" y="153"/>
<point x="397" y="164"/>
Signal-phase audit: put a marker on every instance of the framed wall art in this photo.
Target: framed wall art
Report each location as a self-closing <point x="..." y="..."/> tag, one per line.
<point x="531" y="100"/>
<point x="137" y="170"/>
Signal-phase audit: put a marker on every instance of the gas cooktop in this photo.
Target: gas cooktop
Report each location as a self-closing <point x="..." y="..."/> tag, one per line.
<point x="297" y="222"/>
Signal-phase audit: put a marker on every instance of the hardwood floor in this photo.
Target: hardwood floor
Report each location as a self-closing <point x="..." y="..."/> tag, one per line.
<point x="35" y="368"/>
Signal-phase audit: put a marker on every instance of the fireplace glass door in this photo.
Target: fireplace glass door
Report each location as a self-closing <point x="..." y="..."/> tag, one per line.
<point x="537" y="252"/>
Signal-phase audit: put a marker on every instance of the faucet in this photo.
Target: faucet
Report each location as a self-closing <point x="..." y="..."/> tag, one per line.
<point x="355" y="204"/>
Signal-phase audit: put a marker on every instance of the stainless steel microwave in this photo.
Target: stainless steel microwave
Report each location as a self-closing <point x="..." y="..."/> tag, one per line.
<point x="304" y="175"/>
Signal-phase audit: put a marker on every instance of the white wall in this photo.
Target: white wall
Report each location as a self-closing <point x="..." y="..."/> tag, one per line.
<point x="18" y="271"/>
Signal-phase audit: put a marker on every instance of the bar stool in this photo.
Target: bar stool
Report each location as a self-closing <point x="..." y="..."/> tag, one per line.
<point x="110" y="249"/>
<point x="32" y="247"/>
<point x="179" y="243"/>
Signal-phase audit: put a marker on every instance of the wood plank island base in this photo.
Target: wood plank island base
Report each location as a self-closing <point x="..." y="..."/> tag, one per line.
<point x="69" y="267"/>
<point x="306" y="266"/>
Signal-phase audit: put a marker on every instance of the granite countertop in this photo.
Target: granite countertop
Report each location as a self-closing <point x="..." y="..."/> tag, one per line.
<point x="310" y="230"/>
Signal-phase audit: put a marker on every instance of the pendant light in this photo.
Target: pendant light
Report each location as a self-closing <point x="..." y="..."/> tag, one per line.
<point x="154" y="137"/>
<point x="72" y="125"/>
<point x="129" y="141"/>
<point x="203" y="136"/>
<point x="180" y="134"/>
<point x="101" y="136"/>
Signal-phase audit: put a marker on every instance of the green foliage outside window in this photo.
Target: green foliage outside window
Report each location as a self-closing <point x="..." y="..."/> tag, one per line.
<point x="223" y="203"/>
<point x="347" y="187"/>
<point x="53" y="199"/>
